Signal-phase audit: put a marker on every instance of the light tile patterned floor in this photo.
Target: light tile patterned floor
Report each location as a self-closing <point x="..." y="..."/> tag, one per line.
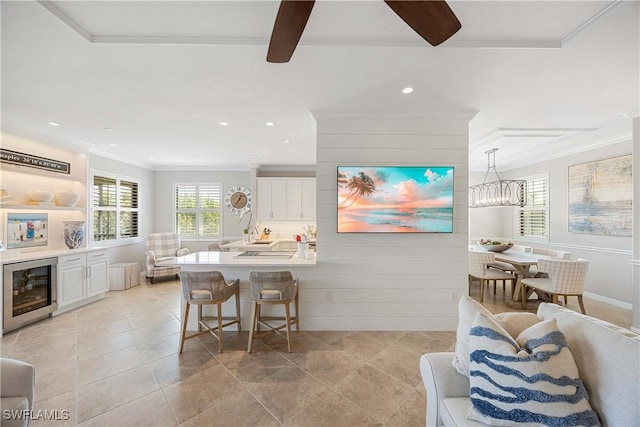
<point x="115" y="363"/>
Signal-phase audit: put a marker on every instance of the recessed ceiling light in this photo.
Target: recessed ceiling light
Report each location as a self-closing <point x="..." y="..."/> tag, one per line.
<point x="113" y="145"/>
<point x="286" y="141"/>
<point x="295" y="159"/>
<point x="223" y="123"/>
<point x="108" y="129"/>
<point x="54" y="124"/>
<point x="407" y="90"/>
<point x="253" y="156"/>
<point x="151" y="158"/>
<point x="269" y="123"/>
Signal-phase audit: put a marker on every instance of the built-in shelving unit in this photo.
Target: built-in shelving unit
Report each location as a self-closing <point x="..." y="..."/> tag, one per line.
<point x="20" y="181"/>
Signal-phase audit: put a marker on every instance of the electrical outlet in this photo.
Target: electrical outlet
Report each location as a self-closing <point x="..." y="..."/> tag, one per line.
<point x="453" y="296"/>
<point x="329" y="295"/>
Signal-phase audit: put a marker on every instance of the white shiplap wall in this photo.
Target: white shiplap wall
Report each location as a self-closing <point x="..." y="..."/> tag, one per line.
<point x="386" y="281"/>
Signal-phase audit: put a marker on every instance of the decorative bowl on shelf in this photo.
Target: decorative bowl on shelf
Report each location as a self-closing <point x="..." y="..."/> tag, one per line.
<point x="67" y="198"/>
<point x="41" y="196"/>
<point x="495" y="245"/>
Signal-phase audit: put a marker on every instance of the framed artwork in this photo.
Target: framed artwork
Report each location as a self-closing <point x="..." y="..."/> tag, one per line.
<point x="25" y="230"/>
<point x="600" y="197"/>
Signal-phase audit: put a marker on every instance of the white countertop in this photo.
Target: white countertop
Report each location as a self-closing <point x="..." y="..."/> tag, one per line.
<point x="210" y="258"/>
<point x="11" y="255"/>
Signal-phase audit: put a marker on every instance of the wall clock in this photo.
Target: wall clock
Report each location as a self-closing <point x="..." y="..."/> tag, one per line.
<point x="238" y="200"/>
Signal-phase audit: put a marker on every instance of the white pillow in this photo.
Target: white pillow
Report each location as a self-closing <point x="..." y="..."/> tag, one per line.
<point x="530" y="381"/>
<point x="514" y="323"/>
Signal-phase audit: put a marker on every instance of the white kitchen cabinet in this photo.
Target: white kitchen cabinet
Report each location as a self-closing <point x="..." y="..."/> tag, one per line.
<point x="286" y="199"/>
<point x="301" y="199"/>
<point x="82" y="277"/>
<point x="272" y="199"/>
<point x="97" y="279"/>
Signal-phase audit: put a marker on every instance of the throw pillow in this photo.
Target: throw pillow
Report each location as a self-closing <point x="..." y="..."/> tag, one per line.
<point x="514" y="323"/>
<point x="532" y="380"/>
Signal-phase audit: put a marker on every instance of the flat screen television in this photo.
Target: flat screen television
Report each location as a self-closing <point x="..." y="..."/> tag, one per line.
<point x="395" y="199"/>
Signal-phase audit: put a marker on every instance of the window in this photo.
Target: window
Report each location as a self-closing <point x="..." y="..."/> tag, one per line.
<point x="532" y="221"/>
<point x="114" y="208"/>
<point x="197" y="210"/>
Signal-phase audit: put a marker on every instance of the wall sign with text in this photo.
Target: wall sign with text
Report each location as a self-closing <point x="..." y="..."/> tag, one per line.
<point x="22" y="159"/>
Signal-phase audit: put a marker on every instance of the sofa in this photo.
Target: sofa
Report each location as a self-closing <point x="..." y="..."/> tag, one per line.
<point x="161" y="247"/>
<point x="607" y="359"/>
<point x="17" y="390"/>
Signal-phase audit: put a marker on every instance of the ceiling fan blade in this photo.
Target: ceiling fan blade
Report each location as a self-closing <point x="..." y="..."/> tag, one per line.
<point x="433" y="20"/>
<point x="287" y="30"/>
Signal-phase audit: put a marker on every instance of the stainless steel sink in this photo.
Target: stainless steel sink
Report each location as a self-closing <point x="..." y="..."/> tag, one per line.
<point x="265" y="255"/>
<point x="261" y="242"/>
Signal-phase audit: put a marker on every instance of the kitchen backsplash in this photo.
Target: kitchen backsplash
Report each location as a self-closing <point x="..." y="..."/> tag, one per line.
<point x="284" y="229"/>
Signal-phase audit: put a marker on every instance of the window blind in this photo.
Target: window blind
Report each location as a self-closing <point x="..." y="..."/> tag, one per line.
<point x="533" y="216"/>
<point x="197" y="210"/>
<point x="115" y="205"/>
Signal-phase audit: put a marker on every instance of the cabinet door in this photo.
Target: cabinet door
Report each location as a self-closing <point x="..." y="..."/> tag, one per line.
<point x="98" y="273"/>
<point x="301" y="199"/>
<point x="307" y="199"/>
<point x="71" y="282"/>
<point x="294" y="200"/>
<point x="278" y="199"/>
<point x="264" y="199"/>
<point x="272" y="199"/>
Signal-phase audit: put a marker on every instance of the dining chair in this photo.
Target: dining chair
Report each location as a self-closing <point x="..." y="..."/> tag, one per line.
<point x="535" y="272"/>
<point x="479" y="269"/>
<point x="553" y="253"/>
<point x="272" y="288"/>
<point x="217" y="246"/>
<point x="566" y="278"/>
<point x="208" y="288"/>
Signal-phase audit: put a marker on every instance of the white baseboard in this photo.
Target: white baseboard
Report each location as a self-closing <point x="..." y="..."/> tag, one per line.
<point x="608" y="300"/>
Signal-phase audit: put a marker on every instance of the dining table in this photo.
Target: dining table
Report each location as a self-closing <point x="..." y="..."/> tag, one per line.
<point x="521" y="262"/>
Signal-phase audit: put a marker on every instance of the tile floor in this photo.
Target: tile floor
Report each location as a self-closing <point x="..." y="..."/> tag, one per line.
<point x="115" y="363"/>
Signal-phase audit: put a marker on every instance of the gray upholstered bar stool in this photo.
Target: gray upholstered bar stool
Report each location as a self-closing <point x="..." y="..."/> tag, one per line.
<point x="208" y="288"/>
<point x="270" y="288"/>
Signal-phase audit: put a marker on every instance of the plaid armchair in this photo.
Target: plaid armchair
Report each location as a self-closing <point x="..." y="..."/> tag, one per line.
<point x="162" y="247"/>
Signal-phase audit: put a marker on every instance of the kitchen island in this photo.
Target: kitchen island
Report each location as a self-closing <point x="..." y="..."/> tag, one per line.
<point x="210" y="260"/>
<point x="235" y="265"/>
<point x="264" y="245"/>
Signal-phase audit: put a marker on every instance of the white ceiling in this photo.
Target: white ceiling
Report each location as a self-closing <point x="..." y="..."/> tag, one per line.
<point x="545" y="77"/>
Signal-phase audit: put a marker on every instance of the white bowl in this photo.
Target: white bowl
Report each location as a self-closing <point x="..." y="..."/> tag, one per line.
<point x="41" y="196"/>
<point x="495" y="246"/>
<point x="67" y="198"/>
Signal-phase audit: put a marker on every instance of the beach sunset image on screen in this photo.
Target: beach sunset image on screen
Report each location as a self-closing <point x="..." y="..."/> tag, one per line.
<point x="395" y="199"/>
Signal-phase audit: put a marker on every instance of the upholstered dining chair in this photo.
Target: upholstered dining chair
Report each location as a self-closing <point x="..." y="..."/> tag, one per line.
<point x="217" y="246"/>
<point x="534" y="271"/>
<point x="271" y="288"/>
<point x="208" y="288"/>
<point x="479" y="269"/>
<point x="162" y="247"/>
<point x="566" y="278"/>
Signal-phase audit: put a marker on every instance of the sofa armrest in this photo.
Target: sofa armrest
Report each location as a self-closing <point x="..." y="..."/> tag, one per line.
<point x="17" y="379"/>
<point x="441" y="381"/>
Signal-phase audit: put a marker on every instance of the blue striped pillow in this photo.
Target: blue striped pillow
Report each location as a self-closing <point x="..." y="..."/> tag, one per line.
<point x="532" y="380"/>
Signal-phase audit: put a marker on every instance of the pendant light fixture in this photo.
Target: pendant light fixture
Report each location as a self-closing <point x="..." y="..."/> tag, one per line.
<point x="498" y="193"/>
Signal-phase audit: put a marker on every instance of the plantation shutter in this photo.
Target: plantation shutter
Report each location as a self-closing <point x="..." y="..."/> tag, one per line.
<point x="104" y="206"/>
<point x="197" y="208"/>
<point x="128" y="209"/>
<point x="533" y="216"/>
